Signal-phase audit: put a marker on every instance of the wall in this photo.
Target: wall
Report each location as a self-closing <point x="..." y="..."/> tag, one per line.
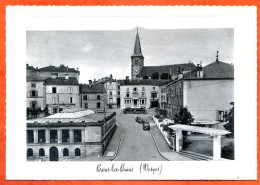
<point x="148" y="90"/>
<point x="111" y="87"/>
<point x="62" y="96"/>
<point x="40" y="88"/>
<point x="204" y="97"/>
<point x="92" y="101"/>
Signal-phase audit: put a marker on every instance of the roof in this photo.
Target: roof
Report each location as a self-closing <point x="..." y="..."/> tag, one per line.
<point x="215" y="70"/>
<point x="204" y="130"/>
<point x="61" y="68"/>
<point x="62" y="81"/>
<point x="28" y="67"/>
<point x="70" y="117"/>
<point x="144" y="82"/>
<point x="34" y="78"/>
<point x="173" y="69"/>
<point x="94" y="88"/>
<point x="137" y="48"/>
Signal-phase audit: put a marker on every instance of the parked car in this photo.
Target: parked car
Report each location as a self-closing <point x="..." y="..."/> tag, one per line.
<point x="139" y="119"/>
<point x="146" y="125"/>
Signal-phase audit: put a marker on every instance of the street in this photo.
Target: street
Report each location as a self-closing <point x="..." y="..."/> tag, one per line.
<point x="137" y="144"/>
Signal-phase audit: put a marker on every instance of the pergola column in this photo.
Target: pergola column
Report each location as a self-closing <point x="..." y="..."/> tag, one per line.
<point x="217" y="147"/>
<point x="47" y="135"/>
<point x="35" y="136"/>
<point x="71" y="135"/>
<point x="59" y="135"/>
<point x="178" y="138"/>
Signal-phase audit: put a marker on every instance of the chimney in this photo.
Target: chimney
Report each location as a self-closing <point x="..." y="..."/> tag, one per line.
<point x="90" y="82"/>
<point x="180" y="74"/>
<point x="199" y="71"/>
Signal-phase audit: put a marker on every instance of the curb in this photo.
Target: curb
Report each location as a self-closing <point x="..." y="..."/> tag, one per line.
<point x="119" y="144"/>
<point x="157" y="146"/>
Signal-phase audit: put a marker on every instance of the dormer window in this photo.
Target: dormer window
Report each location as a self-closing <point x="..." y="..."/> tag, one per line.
<point x="33" y="84"/>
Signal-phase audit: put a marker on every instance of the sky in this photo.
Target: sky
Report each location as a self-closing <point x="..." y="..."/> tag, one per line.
<point x="100" y="53"/>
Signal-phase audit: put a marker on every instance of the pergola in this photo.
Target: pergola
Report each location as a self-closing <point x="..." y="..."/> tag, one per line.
<point x="216" y="133"/>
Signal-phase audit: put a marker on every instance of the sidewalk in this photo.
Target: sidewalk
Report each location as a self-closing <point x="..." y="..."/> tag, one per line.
<point x="163" y="147"/>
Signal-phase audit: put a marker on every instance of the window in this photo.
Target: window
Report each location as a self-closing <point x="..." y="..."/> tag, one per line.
<point x="86" y="105"/>
<point x="41" y="136"/>
<point x="54" y="110"/>
<point x="65" y="136"/>
<point x="34" y="93"/>
<point x="70" y="90"/>
<point x="65" y="152"/>
<point x="54" y="100"/>
<point x="110" y="100"/>
<point x="143" y="89"/>
<point x="54" y="74"/>
<point x="33" y="84"/>
<point x="29" y="152"/>
<point x="71" y="100"/>
<point x="136" y="62"/>
<point x="41" y="152"/>
<point x="127" y="95"/>
<point x="118" y="93"/>
<point x="98" y="97"/>
<point x="85" y="97"/>
<point x="77" y="135"/>
<point x="154" y="95"/>
<point x="110" y="93"/>
<point x="154" y="88"/>
<point x="53" y="136"/>
<point x="54" y="89"/>
<point x="30" y="136"/>
<point x="135" y="89"/>
<point x="221" y="115"/>
<point x="77" y="152"/>
<point x="98" y="104"/>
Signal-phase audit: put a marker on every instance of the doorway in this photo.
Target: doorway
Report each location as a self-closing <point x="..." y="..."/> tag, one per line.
<point x="54" y="154"/>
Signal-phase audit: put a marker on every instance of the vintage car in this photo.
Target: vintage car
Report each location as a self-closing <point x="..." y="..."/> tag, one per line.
<point x="139" y="119"/>
<point x="146" y="125"/>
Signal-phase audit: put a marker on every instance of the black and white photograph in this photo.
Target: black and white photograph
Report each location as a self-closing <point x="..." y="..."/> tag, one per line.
<point x="136" y="95"/>
<point x="123" y="93"/>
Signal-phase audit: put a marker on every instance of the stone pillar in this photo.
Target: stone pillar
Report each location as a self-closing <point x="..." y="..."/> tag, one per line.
<point x="217" y="147"/>
<point x="178" y="137"/>
<point x="35" y="136"/>
<point x="59" y="136"/>
<point x="47" y="135"/>
<point x="83" y="136"/>
<point x="71" y="135"/>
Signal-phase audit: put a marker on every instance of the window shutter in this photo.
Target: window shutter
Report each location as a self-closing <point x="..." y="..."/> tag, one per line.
<point x="30" y="93"/>
<point x="36" y="93"/>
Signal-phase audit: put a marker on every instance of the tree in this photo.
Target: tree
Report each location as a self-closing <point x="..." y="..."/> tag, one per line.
<point x="230" y="119"/>
<point x="184" y="117"/>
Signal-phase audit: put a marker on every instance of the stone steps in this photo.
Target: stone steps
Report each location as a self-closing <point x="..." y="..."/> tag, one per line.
<point x="195" y="156"/>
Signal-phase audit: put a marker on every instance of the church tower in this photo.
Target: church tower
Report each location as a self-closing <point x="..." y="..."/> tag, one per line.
<point x="137" y="59"/>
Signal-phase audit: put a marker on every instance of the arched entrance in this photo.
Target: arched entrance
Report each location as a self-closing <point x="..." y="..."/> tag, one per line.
<point x="54" y="154"/>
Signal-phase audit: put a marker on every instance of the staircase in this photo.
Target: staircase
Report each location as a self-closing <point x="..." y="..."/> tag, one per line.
<point x="195" y="156"/>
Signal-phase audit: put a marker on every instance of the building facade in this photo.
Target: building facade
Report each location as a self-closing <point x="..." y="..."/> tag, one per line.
<point x="35" y="96"/>
<point x="140" y="93"/>
<point x="207" y="92"/>
<point x="72" y="134"/>
<point x="111" y="87"/>
<point x="93" y="97"/>
<point x="62" y="93"/>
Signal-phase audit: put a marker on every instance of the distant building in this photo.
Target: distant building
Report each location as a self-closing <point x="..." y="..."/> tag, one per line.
<point x="93" y="97"/>
<point x="140" y="93"/>
<point x="50" y="71"/>
<point x="164" y="72"/>
<point x="206" y="91"/>
<point x="61" y="93"/>
<point x="35" y="96"/>
<point x="73" y="133"/>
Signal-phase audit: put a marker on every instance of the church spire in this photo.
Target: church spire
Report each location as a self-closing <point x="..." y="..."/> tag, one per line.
<point x="137" y="48"/>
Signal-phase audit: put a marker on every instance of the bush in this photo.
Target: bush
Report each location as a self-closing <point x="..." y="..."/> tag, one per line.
<point x="227" y="151"/>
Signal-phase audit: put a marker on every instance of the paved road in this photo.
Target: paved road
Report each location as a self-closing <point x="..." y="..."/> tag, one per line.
<point x="137" y="144"/>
